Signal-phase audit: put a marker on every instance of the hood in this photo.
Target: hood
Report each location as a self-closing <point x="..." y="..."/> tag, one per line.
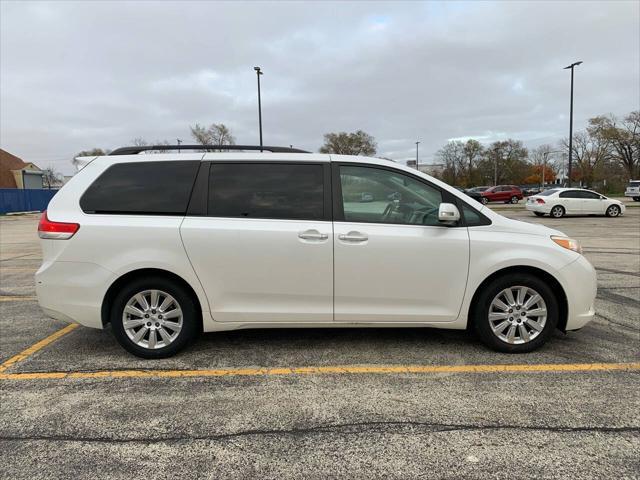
<point x="504" y="224"/>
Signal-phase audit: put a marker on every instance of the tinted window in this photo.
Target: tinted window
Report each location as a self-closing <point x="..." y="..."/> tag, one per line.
<point x="570" y="194"/>
<point x="473" y="218"/>
<point x="266" y="190"/>
<point x="156" y="188"/>
<point x="590" y="195"/>
<point x="547" y="193"/>
<point x="376" y="195"/>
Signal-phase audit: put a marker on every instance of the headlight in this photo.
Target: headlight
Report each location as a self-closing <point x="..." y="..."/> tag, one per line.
<point x="568" y="243"/>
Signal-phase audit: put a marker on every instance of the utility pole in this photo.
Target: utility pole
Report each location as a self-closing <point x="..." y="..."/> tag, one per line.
<point x="417" y="157"/>
<point x="495" y="172"/>
<point x="258" y="73"/>
<point x="571" y="67"/>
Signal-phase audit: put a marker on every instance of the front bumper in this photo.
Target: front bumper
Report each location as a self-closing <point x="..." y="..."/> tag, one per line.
<point x="581" y="285"/>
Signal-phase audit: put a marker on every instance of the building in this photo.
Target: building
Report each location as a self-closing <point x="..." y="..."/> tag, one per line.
<point x="433" y="169"/>
<point x="16" y="173"/>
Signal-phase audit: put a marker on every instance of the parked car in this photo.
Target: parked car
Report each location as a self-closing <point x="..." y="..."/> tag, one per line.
<point x="502" y="193"/>
<point x="165" y="246"/>
<point x="633" y="190"/>
<point x="476" y="193"/>
<point x="366" y="197"/>
<point x="558" y="202"/>
<point x="529" y="190"/>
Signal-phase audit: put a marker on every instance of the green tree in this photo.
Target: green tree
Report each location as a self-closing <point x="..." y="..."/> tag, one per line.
<point x="505" y="162"/>
<point x="342" y="143"/>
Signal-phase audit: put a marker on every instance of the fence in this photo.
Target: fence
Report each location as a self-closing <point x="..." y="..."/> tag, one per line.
<point x="19" y="200"/>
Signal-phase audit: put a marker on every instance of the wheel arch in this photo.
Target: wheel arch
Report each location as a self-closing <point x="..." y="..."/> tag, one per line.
<point x="113" y="289"/>
<point x="538" y="272"/>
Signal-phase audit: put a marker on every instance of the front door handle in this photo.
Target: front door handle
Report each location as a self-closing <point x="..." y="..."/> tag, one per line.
<point x="353" y="237"/>
<point x="312" y="235"/>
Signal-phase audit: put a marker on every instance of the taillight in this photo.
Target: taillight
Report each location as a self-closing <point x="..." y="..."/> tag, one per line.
<point x="56" y="230"/>
<point x="539" y="200"/>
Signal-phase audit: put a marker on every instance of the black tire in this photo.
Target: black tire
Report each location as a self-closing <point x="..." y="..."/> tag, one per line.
<point x="188" y="305"/>
<point x="613" y="211"/>
<point x="484" y="200"/>
<point x="557" y="212"/>
<point x="538" y="214"/>
<point x="514" y="199"/>
<point x="480" y="315"/>
<point x="636" y="199"/>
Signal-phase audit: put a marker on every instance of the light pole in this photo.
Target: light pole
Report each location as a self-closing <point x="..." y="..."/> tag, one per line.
<point x="258" y="73"/>
<point x="417" y="143"/>
<point x="179" y="143"/>
<point x="571" y="67"/>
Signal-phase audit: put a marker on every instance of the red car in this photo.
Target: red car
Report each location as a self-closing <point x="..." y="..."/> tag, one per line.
<point x="502" y="193"/>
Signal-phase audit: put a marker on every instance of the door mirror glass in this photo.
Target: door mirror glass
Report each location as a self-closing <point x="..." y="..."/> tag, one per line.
<point x="448" y="213"/>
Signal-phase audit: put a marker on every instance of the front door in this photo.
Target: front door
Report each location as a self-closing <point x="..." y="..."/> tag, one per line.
<point x="264" y="249"/>
<point x="592" y="203"/>
<point x="394" y="262"/>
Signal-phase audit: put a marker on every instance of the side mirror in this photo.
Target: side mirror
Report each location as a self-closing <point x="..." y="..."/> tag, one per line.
<point x="448" y="213"/>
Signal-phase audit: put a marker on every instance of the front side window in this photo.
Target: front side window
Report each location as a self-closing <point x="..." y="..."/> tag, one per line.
<point x="266" y="190"/>
<point x="590" y="195"/>
<point x="142" y="188"/>
<point x="376" y="195"/>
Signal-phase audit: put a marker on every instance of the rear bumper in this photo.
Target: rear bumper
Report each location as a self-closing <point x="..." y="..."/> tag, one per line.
<point x="581" y="285"/>
<point x="73" y="291"/>
<point x="631" y="194"/>
<point x="538" y="207"/>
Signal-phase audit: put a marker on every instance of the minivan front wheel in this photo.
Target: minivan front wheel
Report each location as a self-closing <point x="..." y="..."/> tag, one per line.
<point x="516" y="313"/>
<point x="154" y="317"/>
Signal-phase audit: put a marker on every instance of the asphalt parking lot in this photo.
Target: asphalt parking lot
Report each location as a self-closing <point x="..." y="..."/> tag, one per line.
<point x="347" y="403"/>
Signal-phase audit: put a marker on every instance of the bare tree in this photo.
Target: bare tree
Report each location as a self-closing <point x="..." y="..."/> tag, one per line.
<point x="622" y="139"/>
<point x="51" y="177"/>
<point x="590" y="152"/>
<point x="453" y="158"/>
<point x="472" y="152"/>
<point x="343" y="143"/>
<point x="94" y="152"/>
<point x="215" y="134"/>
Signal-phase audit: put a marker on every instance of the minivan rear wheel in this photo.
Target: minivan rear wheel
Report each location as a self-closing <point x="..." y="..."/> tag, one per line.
<point x="515" y="313"/>
<point x="154" y="317"/>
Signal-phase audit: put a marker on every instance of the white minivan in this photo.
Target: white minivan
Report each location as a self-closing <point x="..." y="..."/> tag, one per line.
<point x="163" y="246"/>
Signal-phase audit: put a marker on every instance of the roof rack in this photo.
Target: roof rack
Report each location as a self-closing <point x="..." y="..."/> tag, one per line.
<point x="149" y="148"/>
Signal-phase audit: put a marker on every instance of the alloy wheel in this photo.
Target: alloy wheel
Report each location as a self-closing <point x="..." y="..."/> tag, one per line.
<point x="514" y="199"/>
<point x="517" y="315"/>
<point x="613" y="211"/>
<point x="152" y="319"/>
<point x="557" y="212"/>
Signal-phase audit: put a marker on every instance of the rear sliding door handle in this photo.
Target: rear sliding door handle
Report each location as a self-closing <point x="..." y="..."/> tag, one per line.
<point x="353" y="237"/>
<point x="312" y="235"/>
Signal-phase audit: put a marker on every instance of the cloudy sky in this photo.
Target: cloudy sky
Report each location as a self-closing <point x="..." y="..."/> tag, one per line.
<point x="79" y="75"/>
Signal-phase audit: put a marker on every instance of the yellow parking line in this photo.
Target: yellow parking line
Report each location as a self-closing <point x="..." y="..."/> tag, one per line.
<point x="36" y="347"/>
<point x="335" y="370"/>
<point x="17" y="298"/>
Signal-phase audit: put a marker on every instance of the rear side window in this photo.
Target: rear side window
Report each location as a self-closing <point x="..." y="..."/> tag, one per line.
<point x="546" y="193"/>
<point x="266" y="190"/>
<point x="571" y="194"/>
<point x="152" y="188"/>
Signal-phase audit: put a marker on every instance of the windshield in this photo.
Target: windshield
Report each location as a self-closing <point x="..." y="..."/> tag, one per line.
<point x="634" y="184"/>
<point x="546" y="193"/>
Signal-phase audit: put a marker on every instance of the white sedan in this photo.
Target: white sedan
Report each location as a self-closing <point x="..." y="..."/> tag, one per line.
<point x="558" y="202"/>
